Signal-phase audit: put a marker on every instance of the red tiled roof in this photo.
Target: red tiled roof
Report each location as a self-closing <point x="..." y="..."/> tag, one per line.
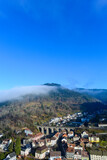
<point x="65" y="135"/>
<point x="37" y="135"/>
<point x="70" y="149"/>
<point x="55" y="153"/>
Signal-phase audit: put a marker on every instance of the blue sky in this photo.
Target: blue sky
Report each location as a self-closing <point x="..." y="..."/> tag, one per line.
<point x="62" y="41"/>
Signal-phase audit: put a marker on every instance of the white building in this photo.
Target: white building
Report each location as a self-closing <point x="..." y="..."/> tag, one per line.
<point x="55" y="120"/>
<point x="53" y="141"/>
<point x="102" y="125"/>
<point x="78" y="152"/>
<point x="76" y="138"/>
<point x="41" y="152"/>
<point x="28" y="132"/>
<point x="84" y="134"/>
<point x="98" y="155"/>
<point x="25" y="150"/>
<point x="71" y="134"/>
<point x="4" y="145"/>
<point x="11" y="156"/>
<point x="94" y="139"/>
<point x="1" y="135"/>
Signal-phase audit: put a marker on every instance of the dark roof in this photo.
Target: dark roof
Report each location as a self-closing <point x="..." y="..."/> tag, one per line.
<point x="12" y="155"/>
<point x="55" y="154"/>
<point x="53" y="138"/>
<point x="41" y="149"/>
<point x="25" y="147"/>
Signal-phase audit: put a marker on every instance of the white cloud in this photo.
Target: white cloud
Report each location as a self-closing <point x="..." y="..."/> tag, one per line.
<point x="17" y="92"/>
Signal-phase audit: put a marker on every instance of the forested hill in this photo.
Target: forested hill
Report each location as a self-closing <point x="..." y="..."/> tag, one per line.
<point x="32" y="108"/>
<point x="100" y="94"/>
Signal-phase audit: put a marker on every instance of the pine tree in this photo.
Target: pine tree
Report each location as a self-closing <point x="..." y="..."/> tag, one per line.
<point x="10" y="148"/>
<point x="18" y="146"/>
<point x="2" y="156"/>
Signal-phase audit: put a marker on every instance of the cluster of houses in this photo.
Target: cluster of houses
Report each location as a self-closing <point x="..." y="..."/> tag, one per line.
<point x="61" y="145"/>
<point x="78" y="119"/>
<point x="83" y="117"/>
<point x="41" y="145"/>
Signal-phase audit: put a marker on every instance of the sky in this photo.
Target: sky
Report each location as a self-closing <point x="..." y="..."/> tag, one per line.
<point x="61" y="41"/>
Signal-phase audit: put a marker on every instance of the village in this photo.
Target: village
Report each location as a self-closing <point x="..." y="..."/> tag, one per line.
<point x="61" y="145"/>
<point x="53" y="79"/>
<point x="79" y="119"/>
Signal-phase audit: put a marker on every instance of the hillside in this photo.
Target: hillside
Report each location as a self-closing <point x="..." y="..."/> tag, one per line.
<point x="100" y="94"/>
<point x="31" y="109"/>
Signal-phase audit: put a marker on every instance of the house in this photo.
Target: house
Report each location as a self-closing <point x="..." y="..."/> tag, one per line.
<point x="85" y="155"/>
<point x="102" y="125"/>
<point x="78" y="152"/>
<point x="84" y="134"/>
<point x="36" y="137"/>
<point x="41" y="152"/>
<point x="34" y="144"/>
<point x="41" y="142"/>
<point x="55" y="120"/>
<point x="28" y="132"/>
<point x="89" y="145"/>
<point x="53" y="141"/>
<point x="5" y="144"/>
<point x="64" y="140"/>
<point x="24" y="141"/>
<point x="76" y="138"/>
<point x="1" y="135"/>
<point x="48" y="142"/>
<point x="26" y="150"/>
<point x="98" y="155"/>
<point x="71" y="134"/>
<point x="70" y="152"/>
<point x="11" y="156"/>
<point x="55" y="155"/>
<point x="94" y="139"/>
<point x="84" y="140"/>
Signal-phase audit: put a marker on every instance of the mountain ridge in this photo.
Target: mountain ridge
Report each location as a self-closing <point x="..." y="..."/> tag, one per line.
<point x="41" y="108"/>
<point x="100" y="94"/>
